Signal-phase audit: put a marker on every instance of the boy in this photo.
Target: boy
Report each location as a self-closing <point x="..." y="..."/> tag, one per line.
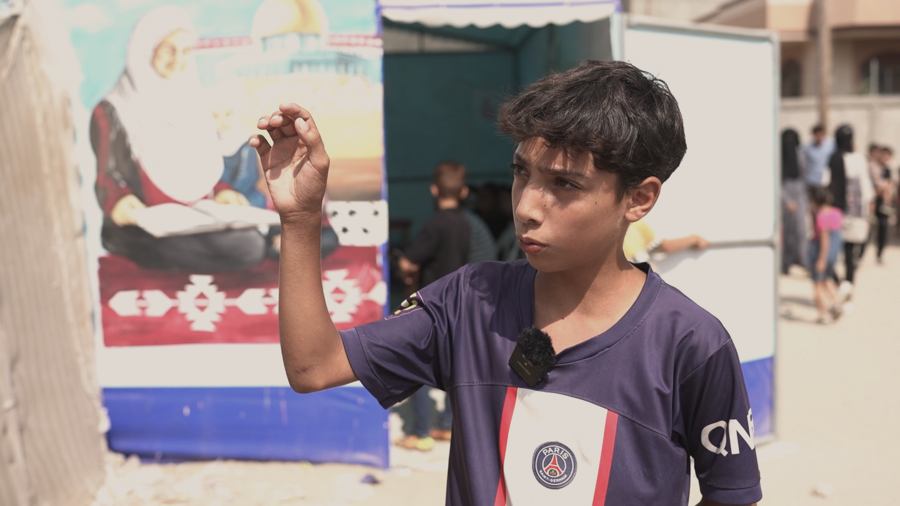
<point x="443" y="244"/>
<point x="441" y="247"/>
<point x="644" y="379"/>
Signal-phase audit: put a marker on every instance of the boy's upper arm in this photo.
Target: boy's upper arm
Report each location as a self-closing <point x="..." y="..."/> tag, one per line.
<point x="719" y="429"/>
<point x="409" y="348"/>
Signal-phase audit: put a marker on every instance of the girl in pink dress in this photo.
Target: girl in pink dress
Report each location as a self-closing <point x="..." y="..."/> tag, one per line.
<point x="823" y="252"/>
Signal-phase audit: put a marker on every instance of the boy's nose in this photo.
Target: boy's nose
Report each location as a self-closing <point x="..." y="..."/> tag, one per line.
<point x="529" y="208"/>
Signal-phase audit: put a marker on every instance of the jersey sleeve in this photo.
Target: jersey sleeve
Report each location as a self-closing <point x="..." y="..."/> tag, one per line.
<point x="411" y="347"/>
<point x="719" y="429"/>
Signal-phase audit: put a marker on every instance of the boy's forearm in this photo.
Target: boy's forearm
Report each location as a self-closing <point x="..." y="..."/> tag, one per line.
<point x="310" y="343"/>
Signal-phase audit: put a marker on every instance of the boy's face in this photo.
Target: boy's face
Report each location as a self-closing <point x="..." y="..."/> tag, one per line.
<point x="565" y="210"/>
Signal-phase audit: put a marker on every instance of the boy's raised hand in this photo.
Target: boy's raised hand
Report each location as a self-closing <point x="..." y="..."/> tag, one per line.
<point x="295" y="164"/>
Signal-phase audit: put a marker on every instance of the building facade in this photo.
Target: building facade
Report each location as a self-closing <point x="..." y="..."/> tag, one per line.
<point x="865" y="42"/>
<point x="865" y="66"/>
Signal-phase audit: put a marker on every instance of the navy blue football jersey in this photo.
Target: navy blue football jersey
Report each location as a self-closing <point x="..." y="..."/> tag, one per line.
<point x="614" y="422"/>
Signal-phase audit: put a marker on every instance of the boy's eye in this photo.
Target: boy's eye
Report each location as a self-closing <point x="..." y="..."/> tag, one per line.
<point x="565" y="183"/>
<point x="516" y="169"/>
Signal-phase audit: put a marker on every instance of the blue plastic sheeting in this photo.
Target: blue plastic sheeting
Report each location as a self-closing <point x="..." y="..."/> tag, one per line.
<point x="255" y="423"/>
<point x="759" y="380"/>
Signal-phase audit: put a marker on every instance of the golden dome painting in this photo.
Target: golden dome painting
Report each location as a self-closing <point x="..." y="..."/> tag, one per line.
<point x="277" y="17"/>
<point x="291" y="58"/>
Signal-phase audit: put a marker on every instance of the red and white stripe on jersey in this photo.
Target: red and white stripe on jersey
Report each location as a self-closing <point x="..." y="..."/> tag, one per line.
<point x="531" y="419"/>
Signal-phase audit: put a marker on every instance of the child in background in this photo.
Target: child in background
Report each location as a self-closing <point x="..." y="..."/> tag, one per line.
<point x="823" y="251"/>
<point x="441" y="248"/>
<point x="641" y="240"/>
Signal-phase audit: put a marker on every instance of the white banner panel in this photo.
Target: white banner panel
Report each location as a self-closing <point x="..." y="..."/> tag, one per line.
<point x="734" y="284"/>
<point x="725" y="189"/>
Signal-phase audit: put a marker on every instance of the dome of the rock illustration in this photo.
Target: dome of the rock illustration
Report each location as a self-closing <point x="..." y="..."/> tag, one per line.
<point x="276" y="17"/>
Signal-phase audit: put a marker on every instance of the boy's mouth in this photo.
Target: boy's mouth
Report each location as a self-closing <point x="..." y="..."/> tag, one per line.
<point x="529" y="245"/>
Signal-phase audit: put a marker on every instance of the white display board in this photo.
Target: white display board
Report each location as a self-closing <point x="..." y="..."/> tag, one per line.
<point x="726" y="189"/>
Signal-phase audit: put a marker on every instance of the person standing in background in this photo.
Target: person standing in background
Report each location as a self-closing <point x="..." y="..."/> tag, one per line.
<point x="482" y="247"/>
<point x="442" y="247"/>
<point x="852" y="192"/>
<point x="794" y="203"/>
<point x="881" y="178"/>
<point x="815" y="157"/>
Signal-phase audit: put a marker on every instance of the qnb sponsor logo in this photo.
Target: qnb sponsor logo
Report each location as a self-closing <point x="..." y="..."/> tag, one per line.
<point x="732" y="432"/>
<point x="411" y="303"/>
<point x="554" y="465"/>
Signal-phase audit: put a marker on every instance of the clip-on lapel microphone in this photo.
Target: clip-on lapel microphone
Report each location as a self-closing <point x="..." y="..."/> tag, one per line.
<point x="533" y="355"/>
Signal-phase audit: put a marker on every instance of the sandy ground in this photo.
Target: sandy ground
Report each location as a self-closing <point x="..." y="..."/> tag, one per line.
<point x="837" y="414"/>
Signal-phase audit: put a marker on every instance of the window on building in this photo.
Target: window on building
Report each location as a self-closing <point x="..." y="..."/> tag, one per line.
<point x="790" y="79"/>
<point x="886" y="69"/>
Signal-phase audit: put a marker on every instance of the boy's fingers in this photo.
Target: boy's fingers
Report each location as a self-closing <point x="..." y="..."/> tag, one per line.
<point x="288" y="129"/>
<point x="281" y="125"/>
<point x="285" y="126"/>
<point x="295" y="111"/>
<point x="261" y="144"/>
<point x="310" y="138"/>
<point x="275" y="133"/>
<point x="276" y="125"/>
<point x="305" y="127"/>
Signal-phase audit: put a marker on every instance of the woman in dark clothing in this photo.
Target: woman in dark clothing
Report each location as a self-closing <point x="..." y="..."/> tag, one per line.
<point x="853" y="194"/>
<point x="794" y="203"/>
<point x="881" y="177"/>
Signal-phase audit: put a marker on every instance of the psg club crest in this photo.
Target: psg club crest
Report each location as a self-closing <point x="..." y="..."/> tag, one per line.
<point x="554" y="465"/>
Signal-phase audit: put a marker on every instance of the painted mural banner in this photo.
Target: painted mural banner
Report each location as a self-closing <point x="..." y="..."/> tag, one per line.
<point x="183" y="235"/>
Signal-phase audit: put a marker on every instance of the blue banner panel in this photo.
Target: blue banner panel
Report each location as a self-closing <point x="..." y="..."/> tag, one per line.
<point x="758" y="375"/>
<point x="258" y="423"/>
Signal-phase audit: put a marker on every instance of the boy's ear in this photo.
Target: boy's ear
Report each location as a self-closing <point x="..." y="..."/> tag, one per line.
<point x="434" y="190"/>
<point x="640" y="200"/>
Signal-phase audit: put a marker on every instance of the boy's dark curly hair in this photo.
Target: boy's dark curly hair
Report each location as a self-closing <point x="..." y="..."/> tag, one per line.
<point x="626" y="118"/>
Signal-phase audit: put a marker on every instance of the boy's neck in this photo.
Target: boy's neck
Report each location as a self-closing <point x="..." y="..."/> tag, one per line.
<point x="574" y="306"/>
<point x="447" y="203"/>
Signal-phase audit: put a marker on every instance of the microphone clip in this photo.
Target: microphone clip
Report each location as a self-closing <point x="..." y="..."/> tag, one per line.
<point x="533" y="355"/>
